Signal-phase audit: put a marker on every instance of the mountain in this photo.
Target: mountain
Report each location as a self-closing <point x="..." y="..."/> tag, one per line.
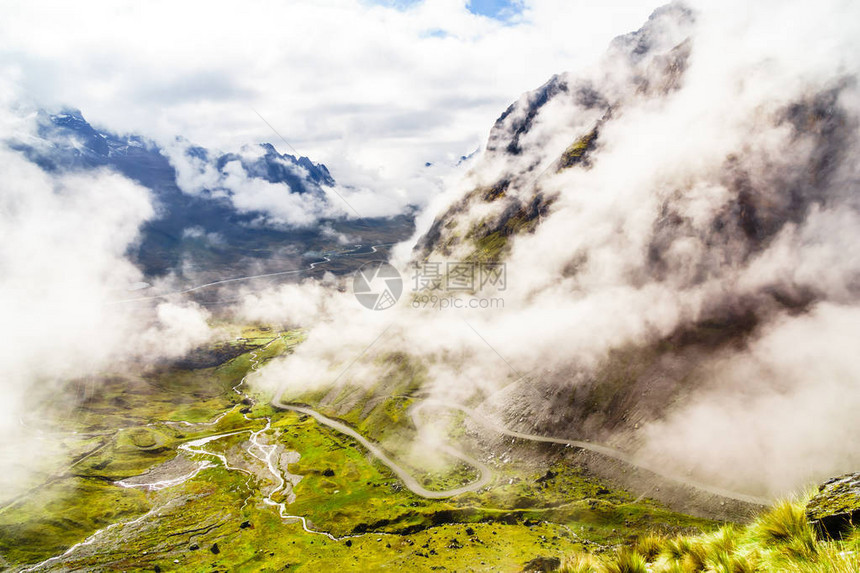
<point x="690" y="236"/>
<point x="675" y="351"/>
<point x="652" y="61"/>
<point x="202" y="230"/>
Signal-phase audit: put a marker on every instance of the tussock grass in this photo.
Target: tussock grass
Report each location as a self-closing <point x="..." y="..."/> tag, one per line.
<point x="626" y="561"/>
<point x="830" y="559"/>
<point x="784" y="522"/>
<point x="650" y="546"/>
<point x="725" y="539"/>
<point x="676" y="548"/>
<point x="724" y="562"/>
<point x="779" y="540"/>
<point x="582" y="563"/>
<point x="696" y="557"/>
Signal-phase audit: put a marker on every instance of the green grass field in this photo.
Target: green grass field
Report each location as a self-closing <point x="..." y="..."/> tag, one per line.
<point x="218" y="521"/>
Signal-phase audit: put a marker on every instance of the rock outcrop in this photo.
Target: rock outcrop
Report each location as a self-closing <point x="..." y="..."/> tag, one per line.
<point x="836" y="506"/>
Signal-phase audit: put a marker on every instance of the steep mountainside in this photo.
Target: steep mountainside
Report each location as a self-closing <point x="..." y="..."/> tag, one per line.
<point x="734" y="241"/>
<point x="554" y="128"/>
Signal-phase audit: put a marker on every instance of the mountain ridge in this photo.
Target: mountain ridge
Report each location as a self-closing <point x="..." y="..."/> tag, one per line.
<point x="202" y="228"/>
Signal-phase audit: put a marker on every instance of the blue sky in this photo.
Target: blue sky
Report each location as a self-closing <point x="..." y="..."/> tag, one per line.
<point x="501" y="9"/>
<point x="498" y="9"/>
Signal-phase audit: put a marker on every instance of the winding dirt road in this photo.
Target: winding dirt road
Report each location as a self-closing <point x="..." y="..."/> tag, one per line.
<point x="408" y="480"/>
<point x="606" y="451"/>
<point x="484" y="472"/>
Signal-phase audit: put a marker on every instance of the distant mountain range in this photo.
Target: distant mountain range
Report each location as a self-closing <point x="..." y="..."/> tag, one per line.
<point x="204" y="231"/>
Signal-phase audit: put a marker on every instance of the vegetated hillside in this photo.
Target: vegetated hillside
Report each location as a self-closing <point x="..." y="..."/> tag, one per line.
<point x="129" y="487"/>
<point x="746" y="237"/>
<point x="780" y="539"/>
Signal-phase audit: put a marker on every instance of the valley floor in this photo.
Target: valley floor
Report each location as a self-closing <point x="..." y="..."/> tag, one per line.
<point x="184" y="469"/>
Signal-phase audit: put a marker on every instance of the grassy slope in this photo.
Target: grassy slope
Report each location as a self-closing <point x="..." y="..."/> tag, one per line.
<point x="521" y="515"/>
<point x="780" y="540"/>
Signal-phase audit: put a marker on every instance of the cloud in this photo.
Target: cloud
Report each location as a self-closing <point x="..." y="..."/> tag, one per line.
<point x="723" y="181"/>
<point x="775" y="416"/>
<point x="63" y="245"/>
<point x="364" y="88"/>
<point x="278" y="204"/>
<point x="722" y="185"/>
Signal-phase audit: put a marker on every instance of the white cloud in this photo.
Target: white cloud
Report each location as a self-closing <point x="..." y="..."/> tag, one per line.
<point x="365" y="88"/>
<point x="651" y="241"/>
<point x="63" y="244"/>
<point x="777" y="416"/>
<point x="277" y="203"/>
